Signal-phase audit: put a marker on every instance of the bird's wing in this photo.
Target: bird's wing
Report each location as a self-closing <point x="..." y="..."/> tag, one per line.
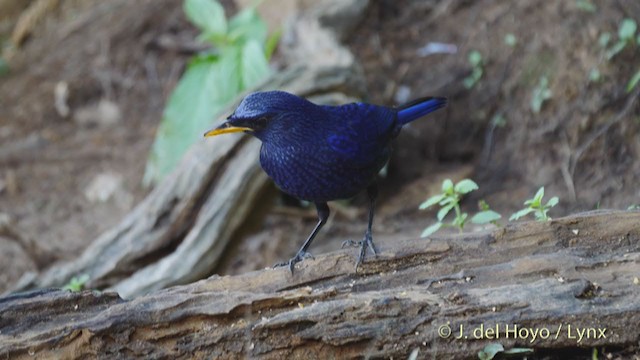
<point x="360" y="133"/>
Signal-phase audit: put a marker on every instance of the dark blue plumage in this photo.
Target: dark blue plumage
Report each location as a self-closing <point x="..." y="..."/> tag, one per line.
<point x="323" y="153"/>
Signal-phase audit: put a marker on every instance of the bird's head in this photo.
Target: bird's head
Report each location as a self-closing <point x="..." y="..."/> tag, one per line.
<point x="256" y="112"/>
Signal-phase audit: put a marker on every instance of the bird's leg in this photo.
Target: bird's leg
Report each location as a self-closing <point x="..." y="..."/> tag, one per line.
<point x="323" y="215"/>
<point x="367" y="241"/>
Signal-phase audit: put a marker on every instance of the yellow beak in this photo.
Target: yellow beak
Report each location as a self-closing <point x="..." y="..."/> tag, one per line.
<point x="225" y="129"/>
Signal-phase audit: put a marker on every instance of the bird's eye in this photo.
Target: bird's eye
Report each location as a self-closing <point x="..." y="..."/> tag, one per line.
<point x="262" y="121"/>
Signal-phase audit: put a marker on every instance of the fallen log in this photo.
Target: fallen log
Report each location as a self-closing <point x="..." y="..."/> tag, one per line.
<point x="557" y="287"/>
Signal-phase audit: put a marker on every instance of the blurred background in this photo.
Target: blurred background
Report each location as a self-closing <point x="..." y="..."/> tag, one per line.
<point x="542" y="93"/>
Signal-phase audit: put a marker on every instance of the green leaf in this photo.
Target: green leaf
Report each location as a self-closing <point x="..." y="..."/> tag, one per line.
<point x="431" y="201"/>
<point x="475" y="58"/>
<point x="498" y="120"/>
<point x="537" y="199"/>
<point x="431" y="229"/>
<point x="627" y="29"/>
<point x="272" y="43"/>
<point x="490" y="351"/>
<point x="521" y="213"/>
<point x="414" y="354"/>
<point x="447" y="186"/>
<point x="594" y="75"/>
<point x="619" y="46"/>
<point x="540" y="94"/>
<point x="207" y="15"/>
<point x="604" y="39"/>
<point x="247" y="25"/>
<point x="76" y="283"/>
<point x="465" y="186"/>
<point x="541" y="215"/>
<point x="485" y="217"/>
<point x="635" y="79"/>
<point x="510" y="40"/>
<point x="254" y="65"/>
<point x="203" y="91"/>
<point x="444" y="211"/>
<point x="468" y="82"/>
<point x="585" y="5"/>
<point x="515" y="351"/>
<point x="552" y="202"/>
<point x="476" y="74"/>
<point x="448" y="199"/>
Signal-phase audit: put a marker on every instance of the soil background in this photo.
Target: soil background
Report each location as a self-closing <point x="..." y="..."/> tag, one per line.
<point x="114" y="66"/>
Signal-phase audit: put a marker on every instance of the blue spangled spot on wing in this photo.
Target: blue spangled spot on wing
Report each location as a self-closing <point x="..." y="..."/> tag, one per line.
<point x="343" y="144"/>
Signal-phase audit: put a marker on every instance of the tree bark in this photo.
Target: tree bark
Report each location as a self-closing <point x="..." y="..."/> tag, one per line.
<point x="569" y="284"/>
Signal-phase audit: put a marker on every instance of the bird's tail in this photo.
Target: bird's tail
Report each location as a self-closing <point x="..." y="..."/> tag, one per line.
<point x="418" y="108"/>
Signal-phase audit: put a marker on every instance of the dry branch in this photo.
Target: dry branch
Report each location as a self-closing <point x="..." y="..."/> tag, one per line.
<point x="577" y="271"/>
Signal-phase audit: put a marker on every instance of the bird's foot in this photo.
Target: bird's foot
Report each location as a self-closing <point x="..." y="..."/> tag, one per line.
<point x="301" y="255"/>
<point x="364" y="244"/>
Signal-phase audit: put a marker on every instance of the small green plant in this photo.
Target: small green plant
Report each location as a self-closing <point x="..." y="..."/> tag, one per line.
<point x="449" y="199"/>
<point x="633" y="82"/>
<point x="634" y="207"/>
<point x="491" y="350"/>
<point x="541" y="93"/>
<point x="536" y="207"/>
<point x="239" y="59"/>
<point x="76" y="283"/>
<point x="485" y="215"/>
<point x="510" y="40"/>
<point x="476" y="62"/>
<point x="594" y="75"/>
<point x="498" y="120"/>
<point x="626" y="36"/>
<point x="586" y="5"/>
<point x="627" y="31"/>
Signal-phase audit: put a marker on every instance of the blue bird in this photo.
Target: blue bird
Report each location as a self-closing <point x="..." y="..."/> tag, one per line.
<point x="322" y="153"/>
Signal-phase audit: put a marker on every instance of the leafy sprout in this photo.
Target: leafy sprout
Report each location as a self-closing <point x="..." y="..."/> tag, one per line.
<point x="586" y="5"/>
<point x="541" y="93"/>
<point x="626" y="36"/>
<point x="510" y="40"/>
<point x="76" y="283"/>
<point x="449" y="199"/>
<point x="476" y="62"/>
<point x="633" y="82"/>
<point x="486" y="215"/>
<point x="536" y="206"/>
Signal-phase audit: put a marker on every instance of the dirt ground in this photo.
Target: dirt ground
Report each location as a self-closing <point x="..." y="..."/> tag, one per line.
<point x="118" y="68"/>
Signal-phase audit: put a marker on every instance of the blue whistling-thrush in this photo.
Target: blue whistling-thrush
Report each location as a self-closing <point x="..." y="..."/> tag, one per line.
<point x="322" y="153"/>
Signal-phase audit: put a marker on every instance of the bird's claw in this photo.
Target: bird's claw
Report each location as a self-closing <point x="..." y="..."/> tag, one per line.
<point x="364" y="244"/>
<point x="301" y="255"/>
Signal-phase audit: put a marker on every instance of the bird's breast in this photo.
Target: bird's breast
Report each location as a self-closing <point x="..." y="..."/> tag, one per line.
<point x="314" y="173"/>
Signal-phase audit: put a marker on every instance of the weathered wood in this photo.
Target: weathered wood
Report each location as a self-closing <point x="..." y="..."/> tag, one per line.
<point x="578" y="272"/>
